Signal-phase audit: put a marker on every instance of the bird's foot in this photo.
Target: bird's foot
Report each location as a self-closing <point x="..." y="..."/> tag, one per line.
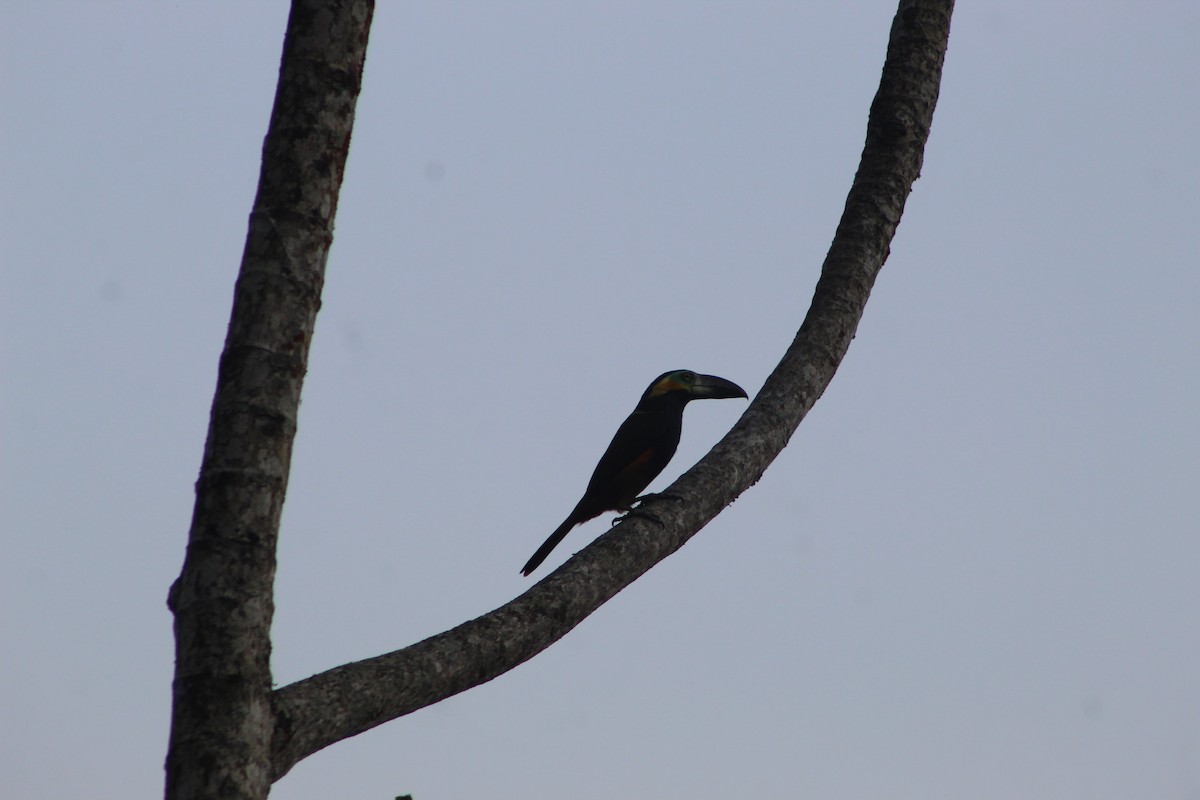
<point x="658" y="496"/>
<point x="635" y="508"/>
<point x="637" y="512"/>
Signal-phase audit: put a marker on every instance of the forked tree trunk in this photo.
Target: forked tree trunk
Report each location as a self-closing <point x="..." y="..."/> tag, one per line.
<point x="231" y="735"/>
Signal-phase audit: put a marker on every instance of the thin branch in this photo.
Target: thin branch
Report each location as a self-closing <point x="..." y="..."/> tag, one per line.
<point x="326" y="708"/>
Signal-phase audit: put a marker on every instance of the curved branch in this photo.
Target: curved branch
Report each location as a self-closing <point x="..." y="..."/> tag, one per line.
<point x="334" y="705"/>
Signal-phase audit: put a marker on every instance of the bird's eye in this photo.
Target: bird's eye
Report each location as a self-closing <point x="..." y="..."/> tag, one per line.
<point x="687" y="377"/>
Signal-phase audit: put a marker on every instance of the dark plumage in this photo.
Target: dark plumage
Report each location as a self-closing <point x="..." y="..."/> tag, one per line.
<point x="641" y="449"/>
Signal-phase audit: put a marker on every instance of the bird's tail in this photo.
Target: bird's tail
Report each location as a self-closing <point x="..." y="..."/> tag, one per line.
<point x="537" y="558"/>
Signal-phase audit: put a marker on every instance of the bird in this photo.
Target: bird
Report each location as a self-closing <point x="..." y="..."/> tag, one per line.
<point x="640" y="449"/>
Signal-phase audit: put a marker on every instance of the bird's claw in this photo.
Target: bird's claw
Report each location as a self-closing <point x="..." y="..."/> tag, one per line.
<point x="659" y="496"/>
<point x="637" y="512"/>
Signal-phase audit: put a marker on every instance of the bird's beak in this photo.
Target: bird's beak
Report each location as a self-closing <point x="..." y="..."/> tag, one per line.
<point x="713" y="388"/>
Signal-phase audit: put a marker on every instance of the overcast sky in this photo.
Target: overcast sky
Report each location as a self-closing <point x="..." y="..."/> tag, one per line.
<point x="974" y="573"/>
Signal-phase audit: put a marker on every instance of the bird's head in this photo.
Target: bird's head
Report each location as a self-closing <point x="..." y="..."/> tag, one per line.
<point x="685" y="385"/>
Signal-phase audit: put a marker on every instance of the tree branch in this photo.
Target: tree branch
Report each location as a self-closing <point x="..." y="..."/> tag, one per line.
<point x="334" y="705"/>
<point x="222" y="721"/>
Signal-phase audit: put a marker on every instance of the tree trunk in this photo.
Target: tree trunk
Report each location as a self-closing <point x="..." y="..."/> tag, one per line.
<point x="231" y="736"/>
<point x="222" y="718"/>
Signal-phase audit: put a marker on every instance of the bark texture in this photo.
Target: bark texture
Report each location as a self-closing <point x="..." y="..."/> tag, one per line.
<point x="222" y="718"/>
<point x="326" y="708"/>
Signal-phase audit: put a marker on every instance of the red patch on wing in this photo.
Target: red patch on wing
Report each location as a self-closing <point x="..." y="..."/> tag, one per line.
<point x="638" y="462"/>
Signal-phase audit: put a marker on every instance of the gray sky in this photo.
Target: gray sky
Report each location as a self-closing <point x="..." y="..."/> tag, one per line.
<point x="973" y="574"/>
